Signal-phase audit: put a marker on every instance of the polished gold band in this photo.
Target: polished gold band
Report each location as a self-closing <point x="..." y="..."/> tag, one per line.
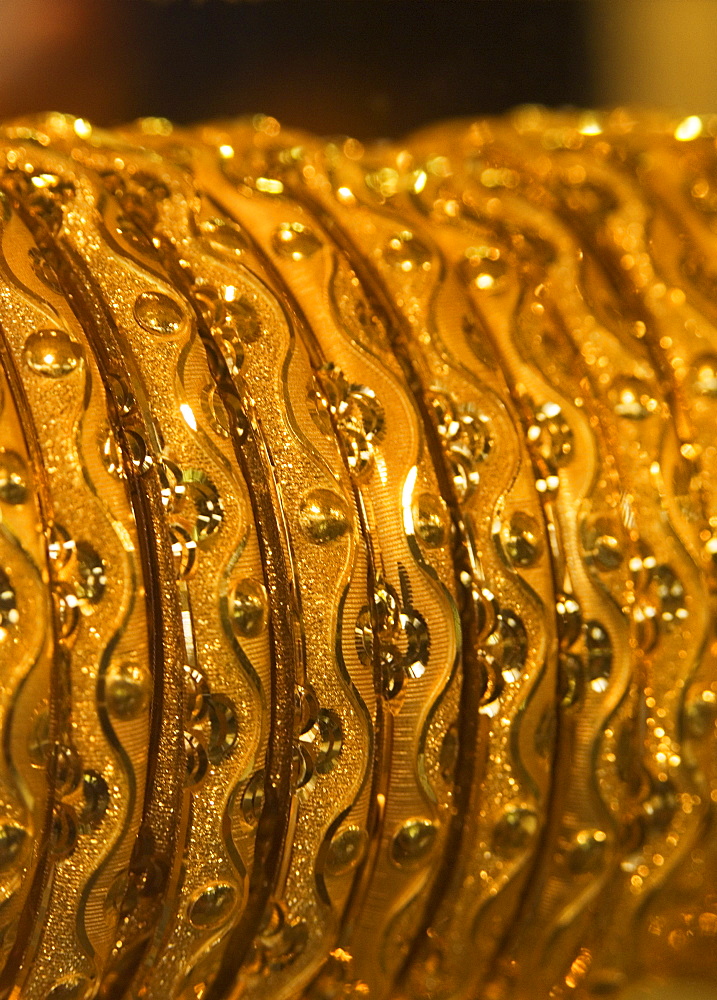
<point x="358" y="535"/>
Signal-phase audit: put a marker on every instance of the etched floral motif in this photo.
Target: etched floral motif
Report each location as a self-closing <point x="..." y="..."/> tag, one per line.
<point x="401" y="634"/>
<point x="355" y="412"/>
<point x="317" y="748"/>
<point x="319" y="739"/>
<point x="233" y="321"/>
<point x="46" y="196"/>
<point x="9" y="615"/>
<point x="585" y="655"/>
<point x="213" y="726"/>
<point x="190" y="494"/>
<point x="660" y="597"/>
<point x="279" y="942"/>
<point x="550" y="439"/>
<point x="465" y="437"/>
<point x="353" y="309"/>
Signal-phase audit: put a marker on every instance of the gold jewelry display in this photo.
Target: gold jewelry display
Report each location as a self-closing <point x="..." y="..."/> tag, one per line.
<point x="358" y="579"/>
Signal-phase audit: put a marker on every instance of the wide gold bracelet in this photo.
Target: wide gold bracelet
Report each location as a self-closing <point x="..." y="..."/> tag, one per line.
<point x="358" y="562"/>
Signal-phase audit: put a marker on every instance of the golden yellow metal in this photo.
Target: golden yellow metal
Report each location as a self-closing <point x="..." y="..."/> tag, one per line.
<point x="359" y="538"/>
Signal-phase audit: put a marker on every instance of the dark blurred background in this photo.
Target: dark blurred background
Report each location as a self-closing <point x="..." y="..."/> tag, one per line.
<point x="362" y="67"/>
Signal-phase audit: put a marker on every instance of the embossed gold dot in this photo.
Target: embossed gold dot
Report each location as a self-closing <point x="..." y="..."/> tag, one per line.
<point x="126" y="690"/>
<point x="63" y="837"/>
<point x="514" y="645"/>
<point x="521" y="539"/>
<point x="222" y="236"/>
<point x="13" y="477"/>
<point x="485" y="267"/>
<point x="52" y="353"/>
<point x="247" y="608"/>
<point x="121" y="392"/>
<point x="224" y="727"/>
<point x="551" y="435"/>
<point x="212" y="905"/>
<point x="197" y="761"/>
<point x="413" y="842"/>
<point x="92" y="581"/>
<point x="701" y="714"/>
<point x="515" y="829"/>
<point x="600" y="538"/>
<point x="215" y="411"/>
<point x="430" y="518"/>
<point x="139" y="454"/>
<point x="158" y="313"/>
<point x="39" y="744"/>
<point x="633" y="398"/>
<point x="295" y="242"/>
<point x="68" y="610"/>
<point x="704" y="380"/>
<point x="135" y="236"/>
<point x="96" y="799"/>
<point x="110" y="454"/>
<point x="570" y="678"/>
<point x="406" y="253"/>
<point x="241" y="316"/>
<point x="9" y="614"/>
<point x="346" y="851"/>
<point x="587" y="850"/>
<point x="599" y="655"/>
<point x="324" y="516"/>
<point x="12" y="838"/>
<point x="252" y="800"/>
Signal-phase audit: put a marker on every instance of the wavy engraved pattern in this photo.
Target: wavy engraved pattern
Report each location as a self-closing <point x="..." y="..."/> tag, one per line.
<point x="256" y="342"/>
<point x="94" y="617"/>
<point x="370" y="482"/>
<point x="633" y="381"/>
<point x="27" y="656"/>
<point x="298" y="242"/>
<point x="669" y="833"/>
<point x="466" y="430"/>
<point x="208" y="513"/>
<point x="358" y="559"/>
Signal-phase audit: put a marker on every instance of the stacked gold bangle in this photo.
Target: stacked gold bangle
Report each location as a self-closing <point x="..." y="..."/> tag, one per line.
<point x="359" y="527"/>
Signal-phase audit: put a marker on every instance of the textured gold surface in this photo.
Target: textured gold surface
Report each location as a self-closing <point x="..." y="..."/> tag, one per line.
<point x="359" y="526"/>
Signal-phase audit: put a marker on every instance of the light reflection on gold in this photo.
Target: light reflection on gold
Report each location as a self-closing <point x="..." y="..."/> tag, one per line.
<point x="359" y="510"/>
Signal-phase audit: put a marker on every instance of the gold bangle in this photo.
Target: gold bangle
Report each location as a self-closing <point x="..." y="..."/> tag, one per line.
<point x="358" y="560"/>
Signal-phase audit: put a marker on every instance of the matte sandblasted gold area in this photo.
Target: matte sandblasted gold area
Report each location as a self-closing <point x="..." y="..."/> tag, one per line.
<point x="358" y="577"/>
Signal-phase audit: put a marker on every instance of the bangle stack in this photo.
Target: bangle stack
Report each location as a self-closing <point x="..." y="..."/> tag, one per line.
<point x="358" y="559"/>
